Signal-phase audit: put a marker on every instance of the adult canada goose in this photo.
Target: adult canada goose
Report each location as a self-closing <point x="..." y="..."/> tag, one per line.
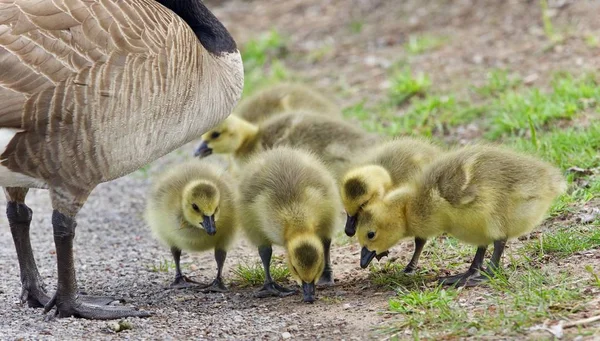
<point x="91" y="91"/>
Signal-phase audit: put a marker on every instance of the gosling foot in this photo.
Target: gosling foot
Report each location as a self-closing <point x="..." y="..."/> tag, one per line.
<point x="216" y="286"/>
<point x="326" y="279"/>
<point x="77" y="307"/>
<point x="410" y="269"/>
<point x="460" y="279"/>
<point x="482" y="278"/>
<point x="182" y="281"/>
<point x="274" y="289"/>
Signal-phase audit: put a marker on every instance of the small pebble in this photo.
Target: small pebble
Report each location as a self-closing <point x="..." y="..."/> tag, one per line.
<point x="286" y="335"/>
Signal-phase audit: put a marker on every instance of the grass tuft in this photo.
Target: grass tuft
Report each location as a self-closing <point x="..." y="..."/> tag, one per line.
<point x="405" y="85"/>
<point x="498" y="82"/>
<point x="512" y="112"/>
<point x="162" y="265"/>
<point x="252" y="274"/>
<point x="565" y="242"/>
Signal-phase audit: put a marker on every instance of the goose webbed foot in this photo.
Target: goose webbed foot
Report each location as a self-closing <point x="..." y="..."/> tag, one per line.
<point x="182" y="281"/>
<point x="326" y="279"/>
<point x="274" y="289"/>
<point x="34" y="295"/>
<point x="99" y="300"/>
<point x="80" y="307"/>
<point x="216" y="286"/>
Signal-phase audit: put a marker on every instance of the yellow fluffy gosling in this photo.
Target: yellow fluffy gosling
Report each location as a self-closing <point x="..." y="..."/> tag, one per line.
<point x="284" y="97"/>
<point x="289" y="198"/>
<point x="478" y="194"/>
<point x="191" y="208"/>
<point x="384" y="167"/>
<point x="337" y="142"/>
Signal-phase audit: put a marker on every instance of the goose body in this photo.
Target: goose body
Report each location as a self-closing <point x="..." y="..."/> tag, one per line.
<point x="93" y="90"/>
<point x="70" y="100"/>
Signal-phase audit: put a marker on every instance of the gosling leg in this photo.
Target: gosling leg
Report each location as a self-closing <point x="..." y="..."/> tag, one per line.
<point x="462" y="279"/>
<point x="327" y="276"/>
<point x="492" y="268"/>
<point x="412" y="265"/>
<point x="270" y="288"/>
<point x="217" y="285"/>
<point x="180" y="281"/>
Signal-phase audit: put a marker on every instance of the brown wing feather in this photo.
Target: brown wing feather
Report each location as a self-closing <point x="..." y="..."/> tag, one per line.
<point x="43" y="43"/>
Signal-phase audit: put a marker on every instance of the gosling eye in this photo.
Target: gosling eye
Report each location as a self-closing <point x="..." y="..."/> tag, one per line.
<point x="371" y="235"/>
<point x="215" y="135"/>
<point x="195" y="207"/>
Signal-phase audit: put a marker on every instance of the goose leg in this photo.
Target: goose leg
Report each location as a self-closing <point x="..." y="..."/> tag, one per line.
<point x="67" y="301"/>
<point x="270" y="288"/>
<point x="412" y="265"/>
<point x="19" y="219"/>
<point x="217" y="285"/>
<point x="462" y="279"/>
<point x="327" y="276"/>
<point x="181" y="281"/>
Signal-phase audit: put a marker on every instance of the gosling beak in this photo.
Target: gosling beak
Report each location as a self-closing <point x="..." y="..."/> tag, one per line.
<point x="366" y="257"/>
<point x="350" y="225"/>
<point x="309" y="292"/>
<point x="209" y="224"/>
<point x="203" y="150"/>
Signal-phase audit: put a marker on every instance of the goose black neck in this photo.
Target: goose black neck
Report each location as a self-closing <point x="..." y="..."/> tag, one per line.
<point x="210" y="31"/>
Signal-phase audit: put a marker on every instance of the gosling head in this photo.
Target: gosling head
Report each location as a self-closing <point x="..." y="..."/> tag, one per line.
<point x="200" y="204"/>
<point x="381" y="225"/>
<point x="225" y="138"/>
<point x="306" y="262"/>
<point x="359" y="187"/>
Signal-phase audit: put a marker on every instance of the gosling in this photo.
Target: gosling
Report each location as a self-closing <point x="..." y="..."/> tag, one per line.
<point x="335" y="141"/>
<point x="288" y="198"/>
<point x="478" y="194"/>
<point x="284" y="97"/>
<point x="191" y="208"/>
<point x="386" y="166"/>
